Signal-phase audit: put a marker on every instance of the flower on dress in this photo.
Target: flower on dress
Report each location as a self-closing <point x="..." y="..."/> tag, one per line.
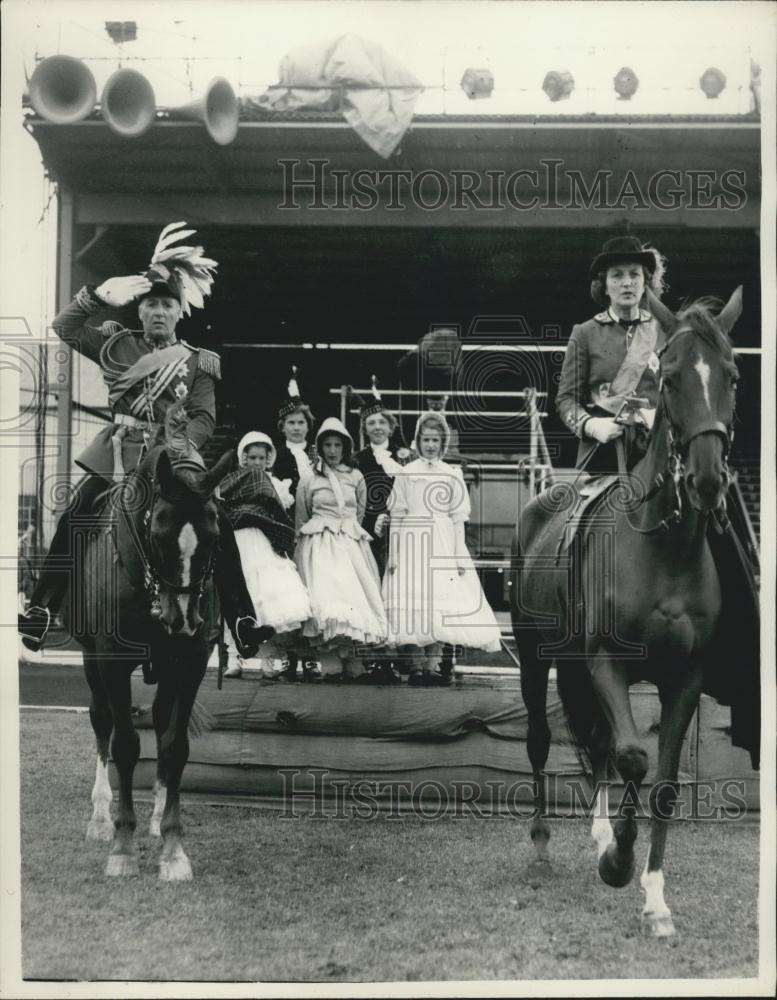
<point x="282" y="488"/>
<point x="403" y="453"/>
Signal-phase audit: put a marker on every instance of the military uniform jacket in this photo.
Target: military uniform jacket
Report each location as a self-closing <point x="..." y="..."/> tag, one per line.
<point x="191" y="377"/>
<point x="593" y="358"/>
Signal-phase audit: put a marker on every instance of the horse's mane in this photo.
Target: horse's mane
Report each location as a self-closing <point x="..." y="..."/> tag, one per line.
<point x="171" y="437"/>
<point x="701" y="315"/>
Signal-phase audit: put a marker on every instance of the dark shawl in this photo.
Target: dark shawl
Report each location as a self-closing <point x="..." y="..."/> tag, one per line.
<point x="250" y="501"/>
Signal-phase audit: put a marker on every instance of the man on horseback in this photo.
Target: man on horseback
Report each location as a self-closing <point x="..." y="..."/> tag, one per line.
<point x="146" y="371"/>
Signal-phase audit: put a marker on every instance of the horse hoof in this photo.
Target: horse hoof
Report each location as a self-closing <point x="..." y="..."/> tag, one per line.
<point x="176" y="870"/>
<point x="154" y="828"/>
<point x="657" y="925"/>
<point x="100" y="829"/>
<point x="122" y="865"/>
<point x="614" y="874"/>
<point x="539" y="868"/>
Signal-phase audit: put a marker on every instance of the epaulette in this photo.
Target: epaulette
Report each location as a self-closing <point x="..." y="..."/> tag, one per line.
<point x="208" y="361"/>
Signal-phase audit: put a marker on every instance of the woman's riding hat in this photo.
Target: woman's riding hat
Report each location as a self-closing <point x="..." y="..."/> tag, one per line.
<point x="621" y="249"/>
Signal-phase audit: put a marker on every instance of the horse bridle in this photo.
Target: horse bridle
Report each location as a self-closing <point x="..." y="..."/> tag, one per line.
<point x="153" y="578"/>
<point x="678" y="443"/>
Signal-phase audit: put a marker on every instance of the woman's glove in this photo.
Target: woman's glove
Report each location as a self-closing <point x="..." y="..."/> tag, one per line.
<point x="118" y="292"/>
<point x="380" y="524"/>
<point x="602" y="429"/>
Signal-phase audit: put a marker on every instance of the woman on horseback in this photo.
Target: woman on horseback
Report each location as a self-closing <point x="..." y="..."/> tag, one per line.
<point x="609" y="379"/>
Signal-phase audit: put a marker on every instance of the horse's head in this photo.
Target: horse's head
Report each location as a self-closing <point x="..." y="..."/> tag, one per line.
<point x="179" y="534"/>
<point x="698" y="386"/>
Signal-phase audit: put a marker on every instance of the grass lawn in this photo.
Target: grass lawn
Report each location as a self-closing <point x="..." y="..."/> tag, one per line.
<point x="320" y="899"/>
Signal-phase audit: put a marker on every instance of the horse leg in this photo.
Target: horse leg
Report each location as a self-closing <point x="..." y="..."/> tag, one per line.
<point x="185" y="677"/>
<point x="100" y="826"/>
<point x="534" y="690"/>
<point x="125" y="748"/>
<point x="601" y="827"/>
<point x="160" y="797"/>
<point x="679" y="700"/>
<point x="161" y="713"/>
<point x="616" y="863"/>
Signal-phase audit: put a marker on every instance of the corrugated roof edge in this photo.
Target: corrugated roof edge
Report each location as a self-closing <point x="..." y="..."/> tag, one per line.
<point x="270" y="118"/>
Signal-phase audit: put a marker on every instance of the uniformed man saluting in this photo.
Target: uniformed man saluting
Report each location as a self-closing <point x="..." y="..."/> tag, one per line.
<point x="146" y="372"/>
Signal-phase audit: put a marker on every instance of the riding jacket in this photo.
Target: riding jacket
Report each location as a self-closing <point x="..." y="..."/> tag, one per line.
<point x="594" y="355"/>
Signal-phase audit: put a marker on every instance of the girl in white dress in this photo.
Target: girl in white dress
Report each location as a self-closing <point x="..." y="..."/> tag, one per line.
<point x="431" y="589"/>
<point x="335" y="560"/>
<point x="256" y="504"/>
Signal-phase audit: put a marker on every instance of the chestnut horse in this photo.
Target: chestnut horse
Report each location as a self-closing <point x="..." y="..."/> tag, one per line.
<point x="143" y="574"/>
<point x="641" y="600"/>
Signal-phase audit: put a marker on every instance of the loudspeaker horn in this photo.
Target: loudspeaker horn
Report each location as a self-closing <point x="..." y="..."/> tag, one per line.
<point x="217" y="109"/>
<point x="128" y="104"/>
<point x="62" y="89"/>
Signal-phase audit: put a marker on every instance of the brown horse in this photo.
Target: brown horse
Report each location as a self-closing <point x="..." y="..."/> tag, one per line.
<point x="637" y="598"/>
<point x="143" y="574"/>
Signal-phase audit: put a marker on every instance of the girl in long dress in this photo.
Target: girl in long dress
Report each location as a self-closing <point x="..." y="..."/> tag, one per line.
<point x="431" y="589"/>
<point x="334" y="558"/>
<point x="256" y="504"/>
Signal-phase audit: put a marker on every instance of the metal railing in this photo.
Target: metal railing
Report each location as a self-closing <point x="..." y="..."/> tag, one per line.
<point x="538" y="467"/>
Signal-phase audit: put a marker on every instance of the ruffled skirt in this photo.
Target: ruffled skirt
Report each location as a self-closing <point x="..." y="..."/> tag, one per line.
<point x="342" y="580"/>
<point x="278" y="594"/>
<point x="427" y="601"/>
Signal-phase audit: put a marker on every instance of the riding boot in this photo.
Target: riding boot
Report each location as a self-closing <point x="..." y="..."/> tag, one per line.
<point x="58" y="569"/>
<point x="234" y="598"/>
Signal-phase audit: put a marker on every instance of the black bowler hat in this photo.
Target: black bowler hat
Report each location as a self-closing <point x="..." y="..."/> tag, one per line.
<point x="621" y="249"/>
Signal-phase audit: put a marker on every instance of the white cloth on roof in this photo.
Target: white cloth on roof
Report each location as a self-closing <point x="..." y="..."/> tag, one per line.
<point x="380" y="114"/>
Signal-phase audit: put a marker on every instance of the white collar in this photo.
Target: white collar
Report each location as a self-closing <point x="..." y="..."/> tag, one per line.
<point x="380" y="447"/>
<point x="297" y="445"/>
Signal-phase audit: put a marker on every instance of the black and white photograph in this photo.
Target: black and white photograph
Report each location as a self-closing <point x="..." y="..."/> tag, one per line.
<point x="388" y="477"/>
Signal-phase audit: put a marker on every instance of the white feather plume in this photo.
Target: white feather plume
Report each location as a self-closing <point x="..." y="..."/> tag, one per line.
<point x="184" y="266"/>
<point x="293" y="388"/>
<point x="375" y="391"/>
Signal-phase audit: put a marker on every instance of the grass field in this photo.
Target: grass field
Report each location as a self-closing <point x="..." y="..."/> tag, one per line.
<point x="386" y="900"/>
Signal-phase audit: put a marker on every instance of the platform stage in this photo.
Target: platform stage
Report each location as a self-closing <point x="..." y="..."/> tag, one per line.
<point x="437" y="748"/>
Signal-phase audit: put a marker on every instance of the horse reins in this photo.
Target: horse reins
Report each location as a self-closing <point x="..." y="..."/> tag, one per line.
<point x="675" y="466"/>
<point x="153" y="578"/>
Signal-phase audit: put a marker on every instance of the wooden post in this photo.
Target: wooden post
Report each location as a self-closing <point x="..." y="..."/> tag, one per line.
<point x="64" y="367"/>
<point x="531" y="406"/>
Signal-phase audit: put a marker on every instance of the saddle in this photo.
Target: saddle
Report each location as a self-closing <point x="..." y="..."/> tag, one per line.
<point x="589" y="493"/>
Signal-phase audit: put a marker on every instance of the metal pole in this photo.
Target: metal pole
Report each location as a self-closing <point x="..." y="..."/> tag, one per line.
<point x="533" y="421"/>
<point x="64" y="368"/>
<point x="40" y="443"/>
<point x="343" y="404"/>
